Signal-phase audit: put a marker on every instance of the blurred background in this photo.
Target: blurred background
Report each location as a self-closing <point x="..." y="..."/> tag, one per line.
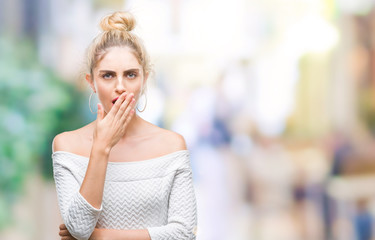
<point x="275" y="98"/>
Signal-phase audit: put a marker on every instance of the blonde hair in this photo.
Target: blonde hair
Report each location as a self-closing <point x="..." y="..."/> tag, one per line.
<point x="116" y="32"/>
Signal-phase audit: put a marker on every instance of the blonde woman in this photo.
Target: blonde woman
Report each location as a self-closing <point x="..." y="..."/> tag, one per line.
<point x="121" y="177"/>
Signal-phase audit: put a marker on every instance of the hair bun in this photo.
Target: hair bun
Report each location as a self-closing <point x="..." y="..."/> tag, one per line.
<point x="123" y="21"/>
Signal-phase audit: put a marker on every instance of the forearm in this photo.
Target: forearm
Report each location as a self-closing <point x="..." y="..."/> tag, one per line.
<point x="93" y="182"/>
<point x="117" y="234"/>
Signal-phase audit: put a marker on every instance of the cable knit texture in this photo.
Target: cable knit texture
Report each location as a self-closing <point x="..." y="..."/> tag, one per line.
<point x="155" y="194"/>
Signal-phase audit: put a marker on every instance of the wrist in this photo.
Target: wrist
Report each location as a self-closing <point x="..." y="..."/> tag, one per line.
<point x="100" y="148"/>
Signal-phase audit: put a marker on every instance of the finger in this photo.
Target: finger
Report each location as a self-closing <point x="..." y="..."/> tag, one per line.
<point x="64" y="233"/>
<point x="127" y="119"/>
<point x="117" y="104"/>
<point x="131" y="113"/>
<point x="62" y="227"/>
<point x="126" y="114"/>
<point x="124" y="105"/>
<point x="100" y="115"/>
<point x="67" y="238"/>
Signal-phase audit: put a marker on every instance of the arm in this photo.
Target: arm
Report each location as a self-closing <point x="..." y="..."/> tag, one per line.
<point x="115" y="234"/>
<point x="79" y="208"/>
<point x="79" y="216"/>
<point x="93" y="184"/>
<point x="109" y="130"/>
<point x="91" y="193"/>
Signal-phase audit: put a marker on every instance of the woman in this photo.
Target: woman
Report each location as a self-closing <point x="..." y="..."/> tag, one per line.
<point x="121" y="177"/>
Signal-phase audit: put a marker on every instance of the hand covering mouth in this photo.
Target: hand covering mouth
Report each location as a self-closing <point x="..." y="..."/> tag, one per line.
<point x="114" y="100"/>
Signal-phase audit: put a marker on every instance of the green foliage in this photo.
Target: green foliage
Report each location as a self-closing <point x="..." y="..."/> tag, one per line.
<point x="35" y="105"/>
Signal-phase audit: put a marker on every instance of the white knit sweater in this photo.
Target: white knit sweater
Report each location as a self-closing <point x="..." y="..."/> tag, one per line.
<point x="155" y="194"/>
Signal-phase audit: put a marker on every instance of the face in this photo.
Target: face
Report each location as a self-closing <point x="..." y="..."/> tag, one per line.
<point x="118" y="72"/>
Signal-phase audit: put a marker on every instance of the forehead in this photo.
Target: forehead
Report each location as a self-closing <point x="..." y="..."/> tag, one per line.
<point x="118" y="58"/>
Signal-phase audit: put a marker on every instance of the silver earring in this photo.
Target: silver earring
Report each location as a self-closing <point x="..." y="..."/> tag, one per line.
<point x="90" y="104"/>
<point x="145" y="104"/>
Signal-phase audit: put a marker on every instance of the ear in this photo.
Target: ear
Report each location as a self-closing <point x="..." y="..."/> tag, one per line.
<point x="90" y="81"/>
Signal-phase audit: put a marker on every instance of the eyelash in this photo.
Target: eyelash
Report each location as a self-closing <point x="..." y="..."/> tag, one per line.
<point x="107" y="75"/>
<point x="110" y="75"/>
<point x="132" y="73"/>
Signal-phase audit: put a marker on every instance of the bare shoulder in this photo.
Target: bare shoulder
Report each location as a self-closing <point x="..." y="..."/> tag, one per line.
<point x="63" y="141"/>
<point x="175" y="140"/>
<point x="71" y="141"/>
<point x="168" y="140"/>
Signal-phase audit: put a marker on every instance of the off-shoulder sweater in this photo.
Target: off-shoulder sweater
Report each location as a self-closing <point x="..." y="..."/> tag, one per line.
<point x="155" y="194"/>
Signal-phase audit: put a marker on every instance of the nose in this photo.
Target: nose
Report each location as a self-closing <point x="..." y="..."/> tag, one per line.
<point x="120" y="86"/>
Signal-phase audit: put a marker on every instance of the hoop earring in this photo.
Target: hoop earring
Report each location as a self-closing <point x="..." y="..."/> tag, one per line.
<point x="90" y="104"/>
<point x="144" y="106"/>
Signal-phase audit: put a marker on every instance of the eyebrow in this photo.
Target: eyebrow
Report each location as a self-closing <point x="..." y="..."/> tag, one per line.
<point x="128" y="70"/>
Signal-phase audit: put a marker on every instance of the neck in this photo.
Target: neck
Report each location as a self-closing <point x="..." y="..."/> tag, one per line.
<point x="133" y="127"/>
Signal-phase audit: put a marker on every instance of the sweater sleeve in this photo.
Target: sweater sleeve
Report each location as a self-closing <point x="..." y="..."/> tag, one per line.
<point x="78" y="215"/>
<point x="182" y="212"/>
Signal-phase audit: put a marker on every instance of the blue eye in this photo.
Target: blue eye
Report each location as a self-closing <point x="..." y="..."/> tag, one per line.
<point x="107" y="76"/>
<point x="132" y="75"/>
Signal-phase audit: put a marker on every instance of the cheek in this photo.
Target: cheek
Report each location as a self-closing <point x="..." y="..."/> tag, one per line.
<point x="103" y="95"/>
<point x="137" y="89"/>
